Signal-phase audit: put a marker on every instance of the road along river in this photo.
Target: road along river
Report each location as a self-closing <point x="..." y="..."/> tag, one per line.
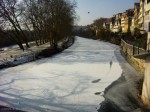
<point x="71" y="81"/>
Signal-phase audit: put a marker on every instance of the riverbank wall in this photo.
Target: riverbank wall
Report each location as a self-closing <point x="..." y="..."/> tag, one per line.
<point x="127" y="49"/>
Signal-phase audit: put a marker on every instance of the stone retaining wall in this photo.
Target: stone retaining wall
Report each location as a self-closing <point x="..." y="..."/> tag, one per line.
<point x="128" y="51"/>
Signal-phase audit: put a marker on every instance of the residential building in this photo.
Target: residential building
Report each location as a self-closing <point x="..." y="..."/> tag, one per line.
<point x="117" y="24"/>
<point x="132" y="27"/>
<point x="123" y="22"/>
<point x="112" y="22"/>
<point x="135" y="19"/>
<point x="147" y="15"/>
<point x="111" y="27"/>
<point x="136" y="14"/>
<point x="129" y="18"/>
<point x="147" y="19"/>
<point x="106" y="24"/>
<point x="126" y="20"/>
<point x="141" y="15"/>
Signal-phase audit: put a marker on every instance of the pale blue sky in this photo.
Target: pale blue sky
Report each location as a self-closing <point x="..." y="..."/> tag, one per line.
<point x="100" y="8"/>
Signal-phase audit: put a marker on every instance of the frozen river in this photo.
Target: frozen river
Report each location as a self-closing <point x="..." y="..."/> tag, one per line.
<point x="72" y="81"/>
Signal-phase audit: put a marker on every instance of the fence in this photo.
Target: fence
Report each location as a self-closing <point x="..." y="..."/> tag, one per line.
<point x="137" y="50"/>
<point x="130" y="50"/>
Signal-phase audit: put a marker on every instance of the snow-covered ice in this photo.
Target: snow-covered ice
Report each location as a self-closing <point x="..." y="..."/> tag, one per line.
<point x="66" y="82"/>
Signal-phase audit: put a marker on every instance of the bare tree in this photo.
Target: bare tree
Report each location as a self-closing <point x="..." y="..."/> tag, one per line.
<point x="10" y="14"/>
<point x="99" y="22"/>
<point x="44" y="20"/>
<point x="50" y="19"/>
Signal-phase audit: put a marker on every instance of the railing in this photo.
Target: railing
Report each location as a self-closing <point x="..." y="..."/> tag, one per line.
<point x="139" y="51"/>
<point x="136" y="49"/>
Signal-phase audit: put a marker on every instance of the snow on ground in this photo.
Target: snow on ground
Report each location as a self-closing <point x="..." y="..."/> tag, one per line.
<point x="13" y="46"/>
<point x="16" y="56"/>
<point x="72" y="81"/>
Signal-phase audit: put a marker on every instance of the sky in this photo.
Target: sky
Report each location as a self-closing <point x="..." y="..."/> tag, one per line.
<point x="100" y="8"/>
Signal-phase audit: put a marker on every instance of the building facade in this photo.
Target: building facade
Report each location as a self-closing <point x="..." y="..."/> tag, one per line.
<point x="136" y="15"/>
<point x="126" y="20"/>
<point x="132" y="27"/>
<point x="147" y="15"/>
<point x="123" y="22"/>
<point x="117" y="23"/>
<point x="141" y="15"/>
<point x="112" y="23"/>
<point x="106" y="24"/>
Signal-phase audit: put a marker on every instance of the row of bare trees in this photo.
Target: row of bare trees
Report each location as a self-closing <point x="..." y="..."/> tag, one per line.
<point x="42" y="20"/>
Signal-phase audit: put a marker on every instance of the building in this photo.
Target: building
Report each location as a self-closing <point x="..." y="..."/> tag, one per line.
<point x="129" y="19"/>
<point x="126" y="20"/>
<point x="132" y="27"/>
<point x="117" y="23"/>
<point x="147" y="15"/>
<point x="135" y="18"/>
<point x="141" y="15"/>
<point x="147" y="20"/>
<point x="123" y="22"/>
<point x="136" y="14"/>
<point x="112" y="23"/>
<point x="106" y="24"/>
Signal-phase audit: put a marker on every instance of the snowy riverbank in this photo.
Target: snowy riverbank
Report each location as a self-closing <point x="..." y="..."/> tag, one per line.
<point x="14" y="56"/>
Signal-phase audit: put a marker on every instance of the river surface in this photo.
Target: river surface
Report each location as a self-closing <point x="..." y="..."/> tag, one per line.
<point x="71" y="81"/>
